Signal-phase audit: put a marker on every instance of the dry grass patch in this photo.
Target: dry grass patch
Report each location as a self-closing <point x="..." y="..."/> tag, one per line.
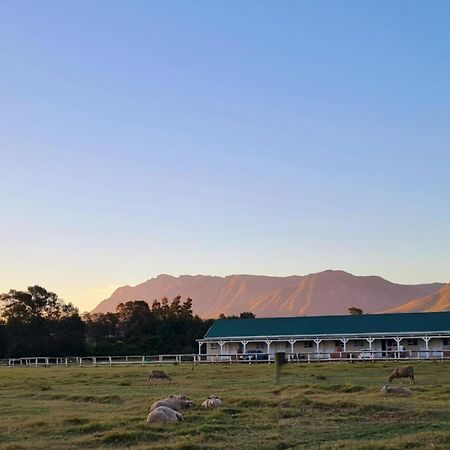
<point x="309" y="406"/>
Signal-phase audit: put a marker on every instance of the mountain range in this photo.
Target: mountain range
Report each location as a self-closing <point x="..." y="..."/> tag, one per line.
<point x="324" y="293"/>
<point x="439" y="301"/>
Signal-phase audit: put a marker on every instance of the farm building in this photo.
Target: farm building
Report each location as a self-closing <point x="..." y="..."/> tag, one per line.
<point x="371" y="336"/>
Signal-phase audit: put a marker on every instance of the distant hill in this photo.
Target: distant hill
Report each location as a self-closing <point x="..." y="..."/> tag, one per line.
<point x="439" y="301"/>
<point x="328" y="292"/>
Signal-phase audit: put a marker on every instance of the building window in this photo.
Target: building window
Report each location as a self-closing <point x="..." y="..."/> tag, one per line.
<point x="446" y="341"/>
<point x="358" y="343"/>
<point x="213" y="346"/>
<point x="307" y="344"/>
<point x="411" y="342"/>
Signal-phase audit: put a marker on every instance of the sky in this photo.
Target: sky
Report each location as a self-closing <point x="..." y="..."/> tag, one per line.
<point x="198" y="137"/>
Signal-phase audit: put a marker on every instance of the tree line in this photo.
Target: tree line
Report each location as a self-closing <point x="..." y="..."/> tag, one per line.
<point x="37" y="322"/>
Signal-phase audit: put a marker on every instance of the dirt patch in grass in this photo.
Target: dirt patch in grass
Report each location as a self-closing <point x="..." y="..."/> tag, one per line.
<point x="40" y="386"/>
<point x="95" y="399"/>
<point x="92" y="427"/>
<point x="128" y="438"/>
<point x="344" y="388"/>
<point x="255" y="403"/>
<point x="75" y="421"/>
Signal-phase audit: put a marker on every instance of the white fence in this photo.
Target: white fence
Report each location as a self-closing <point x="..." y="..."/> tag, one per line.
<point x="99" y="360"/>
<point x="249" y="358"/>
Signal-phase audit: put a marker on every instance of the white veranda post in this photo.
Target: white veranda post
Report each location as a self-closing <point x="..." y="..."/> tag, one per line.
<point x="370" y="340"/>
<point x="398" y="340"/>
<point x="427" y="345"/>
<point x="221" y="343"/>
<point x="244" y="346"/>
<point x="292" y="342"/>
<point x="268" y="345"/>
<point x="318" y="341"/>
<point x="344" y="343"/>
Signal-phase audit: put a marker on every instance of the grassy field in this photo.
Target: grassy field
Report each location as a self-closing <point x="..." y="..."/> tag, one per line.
<point x="311" y="406"/>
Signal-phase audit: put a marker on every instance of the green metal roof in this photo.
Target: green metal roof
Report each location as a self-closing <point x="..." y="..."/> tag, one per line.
<point x="331" y="325"/>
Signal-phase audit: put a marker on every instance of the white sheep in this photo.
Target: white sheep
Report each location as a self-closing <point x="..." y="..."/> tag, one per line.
<point x="164" y="414"/>
<point x="175" y="402"/>
<point x="212" y="402"/>
<point x="396" y="390"/>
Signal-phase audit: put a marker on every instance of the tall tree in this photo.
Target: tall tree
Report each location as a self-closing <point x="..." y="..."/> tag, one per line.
<point x="35" y="302"/>
<point x="37" y="322"/>
<point x="165" y="327"/>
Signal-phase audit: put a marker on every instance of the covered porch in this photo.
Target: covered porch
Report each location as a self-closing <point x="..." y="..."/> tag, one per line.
<point x="331" y="347"/>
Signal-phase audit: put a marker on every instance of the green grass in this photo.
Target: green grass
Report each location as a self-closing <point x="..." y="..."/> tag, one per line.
<point x="311" y="406"/>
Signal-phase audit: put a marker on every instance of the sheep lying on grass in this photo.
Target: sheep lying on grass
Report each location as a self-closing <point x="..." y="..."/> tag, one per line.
<point x="167" y="409"/>
<point x="402" y="372"/>
<point x="397" y="390"/>
<point x="212" y="402"/>
<point x="158" y="375"/>
<point x="175" y="402"/>
<point x="164" y="414"/>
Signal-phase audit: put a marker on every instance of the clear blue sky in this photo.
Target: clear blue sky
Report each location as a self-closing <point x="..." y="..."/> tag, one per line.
<point x="186" y="137"/>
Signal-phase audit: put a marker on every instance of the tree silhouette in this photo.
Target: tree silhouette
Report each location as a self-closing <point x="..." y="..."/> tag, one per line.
<point x="36" y="322"/>
<point x="242" y="315"/>
<point x="35" y="302"/>
<point x="355" y="311"/>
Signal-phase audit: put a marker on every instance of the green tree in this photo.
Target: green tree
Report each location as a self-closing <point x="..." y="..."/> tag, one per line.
<point x="136" y="328"/>
<point x="102" y="333"/>
<point x="37" y="322"/>
<point x="35" y="302"/>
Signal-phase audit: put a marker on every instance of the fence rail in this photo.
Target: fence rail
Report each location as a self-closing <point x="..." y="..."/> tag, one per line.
<point x="249" y="358"/>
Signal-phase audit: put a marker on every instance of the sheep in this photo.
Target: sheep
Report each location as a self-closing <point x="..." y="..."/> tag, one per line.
<point x="402" y="372"/>
<point x="164" y="414"/>
<point x="212" y="402"/>
<point x="397" y="390"/>
<point x="158" y="375"/>
<point x="175" y="402"/>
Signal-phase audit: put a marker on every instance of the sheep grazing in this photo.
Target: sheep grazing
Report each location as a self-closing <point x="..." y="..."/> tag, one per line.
<point x="402" y="372"/>
<point x="397" y="390"/>
<point x="158" y="375"/>
<point x="212" y="402"/>
<point x="164" y="414"/>
<point x="175" y="402"/>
